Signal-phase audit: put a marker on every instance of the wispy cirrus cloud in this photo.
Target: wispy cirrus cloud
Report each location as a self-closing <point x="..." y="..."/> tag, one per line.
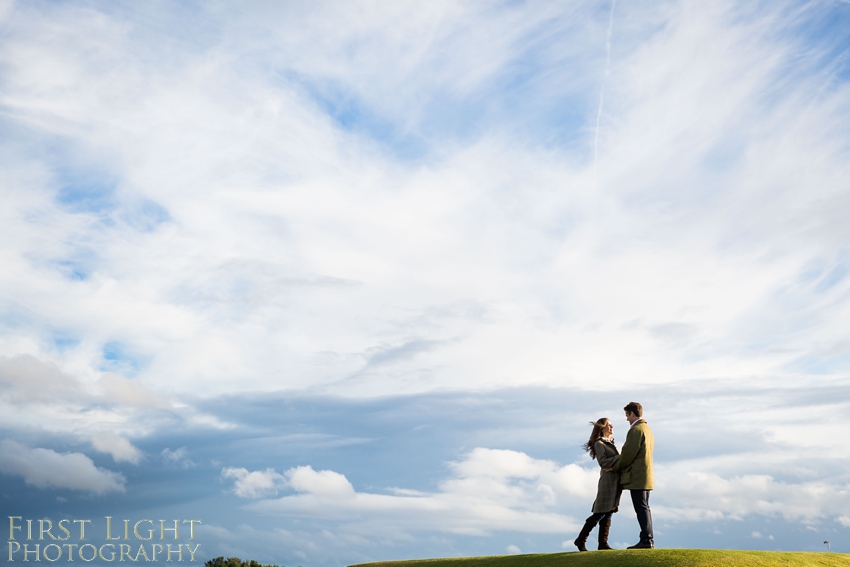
<point x="308" y="246"/>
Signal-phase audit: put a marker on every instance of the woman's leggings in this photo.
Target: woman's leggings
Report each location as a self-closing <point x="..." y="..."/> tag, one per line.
<point x="599" y="516"/>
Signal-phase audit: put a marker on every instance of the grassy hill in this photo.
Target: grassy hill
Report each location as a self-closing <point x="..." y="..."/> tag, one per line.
<point x="638" y="558"/>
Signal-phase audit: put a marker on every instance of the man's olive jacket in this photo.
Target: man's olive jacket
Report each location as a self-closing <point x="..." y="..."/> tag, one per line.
<point x="635" y="462"/>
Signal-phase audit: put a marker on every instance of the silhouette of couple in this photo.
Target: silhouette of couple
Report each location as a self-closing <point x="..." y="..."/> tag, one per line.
<point x="629" y="470"/>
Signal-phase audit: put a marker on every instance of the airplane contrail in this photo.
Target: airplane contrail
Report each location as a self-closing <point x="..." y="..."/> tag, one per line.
<point x="602" y="88"/>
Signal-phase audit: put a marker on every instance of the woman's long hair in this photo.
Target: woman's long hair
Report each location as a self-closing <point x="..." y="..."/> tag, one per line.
<point x="595" y="435"/>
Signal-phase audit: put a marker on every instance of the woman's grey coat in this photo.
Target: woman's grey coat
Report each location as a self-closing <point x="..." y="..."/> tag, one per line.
<point x="609" y="490"/>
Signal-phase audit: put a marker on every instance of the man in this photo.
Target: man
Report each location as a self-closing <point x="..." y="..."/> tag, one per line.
<point x="635" y="468"/>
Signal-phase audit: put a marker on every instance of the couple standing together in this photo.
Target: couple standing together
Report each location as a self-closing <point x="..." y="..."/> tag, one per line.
<point x="630" y="470"/>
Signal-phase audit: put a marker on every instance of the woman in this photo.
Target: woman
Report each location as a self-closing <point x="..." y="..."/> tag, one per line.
<point x="601" y="447"/>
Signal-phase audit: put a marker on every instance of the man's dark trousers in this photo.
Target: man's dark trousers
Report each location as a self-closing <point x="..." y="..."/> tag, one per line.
<point x="640" y="501"/>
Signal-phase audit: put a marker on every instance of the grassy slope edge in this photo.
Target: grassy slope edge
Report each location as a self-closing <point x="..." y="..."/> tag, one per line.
<point x="638" y="558"/>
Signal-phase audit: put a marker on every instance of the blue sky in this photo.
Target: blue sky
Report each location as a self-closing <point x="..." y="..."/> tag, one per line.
<point x="348" y="282"/>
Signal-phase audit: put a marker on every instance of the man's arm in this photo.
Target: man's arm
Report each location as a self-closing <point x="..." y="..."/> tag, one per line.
<point x="634" y="439"/>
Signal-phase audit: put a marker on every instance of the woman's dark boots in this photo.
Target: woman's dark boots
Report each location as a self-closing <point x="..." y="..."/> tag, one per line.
<point x="604" y="528"/>
<point x="589" y="524"/>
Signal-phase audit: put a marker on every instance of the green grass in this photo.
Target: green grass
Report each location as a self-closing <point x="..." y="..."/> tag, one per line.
<point x="638" y="558"/>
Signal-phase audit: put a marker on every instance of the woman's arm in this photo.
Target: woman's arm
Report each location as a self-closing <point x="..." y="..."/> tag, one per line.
<point x="634" y="440"/>
<point x="605" y="461"/>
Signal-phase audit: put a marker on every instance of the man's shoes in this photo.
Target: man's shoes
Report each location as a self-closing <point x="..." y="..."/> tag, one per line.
<point x="642" y="545"/>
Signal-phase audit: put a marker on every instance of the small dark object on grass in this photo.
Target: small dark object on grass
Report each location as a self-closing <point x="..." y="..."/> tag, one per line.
<point x="235" y="562"/>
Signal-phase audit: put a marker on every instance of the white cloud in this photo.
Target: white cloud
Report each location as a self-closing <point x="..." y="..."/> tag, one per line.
<point x="256" y="484"/>
<point x="60" y="398"/>
<point x="25" y="380"/>
<point x="45" y="468"/>
<point x="490" y="490"/>
<point x="117" y="446"/>
<point x="513" y="550"/>
<point x="500" y="463"/>
<point x="326" y="484"/>
<point x="494" y="254"/>
<point x="693" y="495"/>
<point x="844" y="521"/>
<point x="493" y="489"/>
<point x="122" y="390"/>
<point x="179" y="456"/>
<point x="5" y="7"/>
<point x="384" y="201"/>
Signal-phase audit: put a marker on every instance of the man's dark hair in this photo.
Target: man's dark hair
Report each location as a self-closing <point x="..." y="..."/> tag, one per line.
<point x="635" y="408"/>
